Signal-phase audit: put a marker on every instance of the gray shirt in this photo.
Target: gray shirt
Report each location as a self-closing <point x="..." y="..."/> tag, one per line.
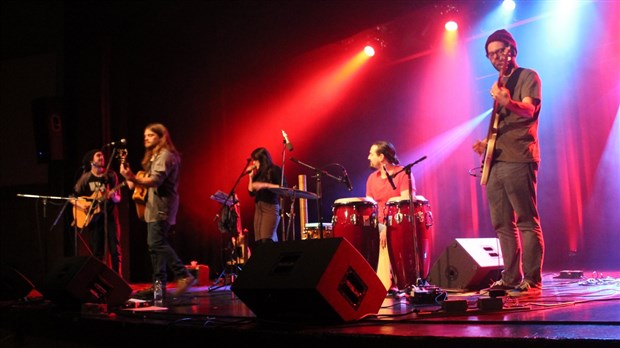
<point x="517" y="139"/>
<point x="162" y="201"/>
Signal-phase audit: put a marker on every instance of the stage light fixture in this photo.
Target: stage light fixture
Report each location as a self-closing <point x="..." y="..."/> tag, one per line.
<point x="374" y="41"/>
<point x="509" y="5"/>
<point x="451" y="25"/>
<point x="449" y="14"/>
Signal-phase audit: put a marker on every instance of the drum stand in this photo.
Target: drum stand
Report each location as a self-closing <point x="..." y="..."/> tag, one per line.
<point x="416" y="248"/>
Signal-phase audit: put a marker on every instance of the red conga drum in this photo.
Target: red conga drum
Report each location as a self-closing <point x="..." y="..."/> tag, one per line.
<point x="356" y="220"/>
<point x="400" y="232"/>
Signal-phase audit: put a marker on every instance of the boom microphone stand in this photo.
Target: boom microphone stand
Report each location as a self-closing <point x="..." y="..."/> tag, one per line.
<point x="286" y="144"/>
<point x="416" y="249"/>
<point x="318" y="173"/>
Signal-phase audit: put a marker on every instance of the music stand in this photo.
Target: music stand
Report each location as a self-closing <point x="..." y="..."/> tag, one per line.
<point x="228" y="224"/>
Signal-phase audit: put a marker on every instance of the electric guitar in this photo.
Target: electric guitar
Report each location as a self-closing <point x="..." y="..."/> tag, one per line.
<point x="84" y="215"/>
<point x="487" y="156"/>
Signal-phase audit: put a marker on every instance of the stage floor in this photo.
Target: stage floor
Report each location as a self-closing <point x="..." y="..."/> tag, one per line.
<point x="567" y="312"/>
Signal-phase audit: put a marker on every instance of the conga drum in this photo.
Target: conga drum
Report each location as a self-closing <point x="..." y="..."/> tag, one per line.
<point x="356" y="220"/>
<point x="400" y="232"/>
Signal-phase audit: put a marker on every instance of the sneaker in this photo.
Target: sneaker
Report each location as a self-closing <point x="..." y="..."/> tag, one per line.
<point x="501" y="285"/>
<point x="183" y="284"/>
<point x="526" y="286"/>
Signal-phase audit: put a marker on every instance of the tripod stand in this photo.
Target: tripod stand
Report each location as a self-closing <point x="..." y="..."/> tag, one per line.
<point x="229" y="226"/>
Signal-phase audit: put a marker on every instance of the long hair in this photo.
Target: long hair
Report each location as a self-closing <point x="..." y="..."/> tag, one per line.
<point x="165" y="142"/>
<point x="263" y="156"/>
<point x="388" y="150"/>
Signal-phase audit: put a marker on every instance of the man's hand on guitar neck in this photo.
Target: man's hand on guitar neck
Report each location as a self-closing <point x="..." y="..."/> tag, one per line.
<point x="480" y="146"/>
<point x="501" y="95"/>
<point x="129" y="176"/>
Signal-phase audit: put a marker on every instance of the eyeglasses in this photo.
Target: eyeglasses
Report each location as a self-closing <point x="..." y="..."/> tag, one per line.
<point x="497" y="53"/>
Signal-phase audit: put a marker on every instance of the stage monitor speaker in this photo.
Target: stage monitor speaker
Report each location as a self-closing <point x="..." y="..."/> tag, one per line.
<point x="314" y="280"/>
<point x="13" y="284"/>
<point x="84" y="279"/>
<point x="468" y="263"/>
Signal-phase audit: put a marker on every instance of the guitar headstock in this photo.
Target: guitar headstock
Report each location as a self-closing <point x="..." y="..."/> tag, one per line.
<point x="121" y="154"/>
<point x="506" y="58"/>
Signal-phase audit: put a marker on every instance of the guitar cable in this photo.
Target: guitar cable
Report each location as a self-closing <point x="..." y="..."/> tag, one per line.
<point x="473" y="171"/>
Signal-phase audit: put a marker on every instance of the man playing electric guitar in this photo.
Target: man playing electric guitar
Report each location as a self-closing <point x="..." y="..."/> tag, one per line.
<point x="95" y="210"/>
<point x="511" y="186"/>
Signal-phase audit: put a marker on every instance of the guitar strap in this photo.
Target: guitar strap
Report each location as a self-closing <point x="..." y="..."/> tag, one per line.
<point x="512" y="80"/>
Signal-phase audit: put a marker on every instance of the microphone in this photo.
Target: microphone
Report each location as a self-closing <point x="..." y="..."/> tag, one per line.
<point x="346" y="180"/>
<point x="289" y="146"/>
<point x="115" y="143"/>
<point x="389" y="177"/>
<point x="419" y="160"/>
<point x="250" y="170"/>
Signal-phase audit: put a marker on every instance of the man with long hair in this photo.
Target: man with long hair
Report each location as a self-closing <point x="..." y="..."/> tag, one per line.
<point x="161" y="164"/>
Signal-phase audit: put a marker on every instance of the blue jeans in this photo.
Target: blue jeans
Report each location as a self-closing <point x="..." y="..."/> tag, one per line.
<point x="162" y="254"/>
<point x="511" y="191"/>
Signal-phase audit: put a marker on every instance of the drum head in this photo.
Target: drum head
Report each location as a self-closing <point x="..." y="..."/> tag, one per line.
<point x="421" y="199"/>
<point x="354" y="200"/>
<point x="397" y="201"/>
<point x="402" y="201"/>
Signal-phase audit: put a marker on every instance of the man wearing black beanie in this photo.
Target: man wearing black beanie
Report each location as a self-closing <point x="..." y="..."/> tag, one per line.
<point x="95" y="211"/>
<point x="510" y="166"/>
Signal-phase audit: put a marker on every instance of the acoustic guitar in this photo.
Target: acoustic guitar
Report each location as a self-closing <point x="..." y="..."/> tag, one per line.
<point x="139" y="196"/>
<point x="487" y="156"/>
<point x="83" y="216"/>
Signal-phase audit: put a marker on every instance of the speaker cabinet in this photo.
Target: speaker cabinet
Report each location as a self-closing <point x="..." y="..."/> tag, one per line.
<point x="84" y="279"/>
<point x="314" y="280"/>
<point x="47" y="117"/>
<point x="468" y="263"/>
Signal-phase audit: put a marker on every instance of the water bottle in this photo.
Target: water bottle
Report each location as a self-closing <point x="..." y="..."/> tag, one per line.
<point x="158" y="293"/>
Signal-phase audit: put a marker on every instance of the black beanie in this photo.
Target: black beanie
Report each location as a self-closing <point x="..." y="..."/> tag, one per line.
<point x="501" y="35"/>
<point x="88" y="157"/>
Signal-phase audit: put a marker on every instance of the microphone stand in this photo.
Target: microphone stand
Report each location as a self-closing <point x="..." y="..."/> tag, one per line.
<point x="106" y="184"/>
<point x="416" y="249"/>
<point x="43" y="250"/>
<point x="281" y="198"/>
<point x="319" y="193"/>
